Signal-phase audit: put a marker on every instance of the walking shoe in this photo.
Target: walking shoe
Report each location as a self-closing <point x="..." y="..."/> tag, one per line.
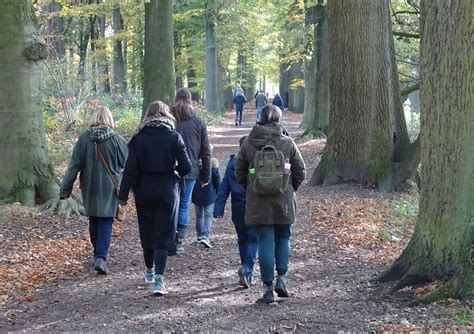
<point x="206" y="242"/>
<point x="159" y="288"/>
<point x="236" y="124"/>
<point x="243" y="278"/>
<point x="179" y="249"/>
<point x="200" y="237"/>
<point x="149" y="275"/>
<point x="268" y="294"/>
<point x="280" y="286"/>
<point x="100" y="266"/>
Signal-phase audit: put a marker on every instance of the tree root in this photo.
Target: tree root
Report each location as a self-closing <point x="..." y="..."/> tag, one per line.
<point x="62" y="207"/>
<point x="442" y="293"/>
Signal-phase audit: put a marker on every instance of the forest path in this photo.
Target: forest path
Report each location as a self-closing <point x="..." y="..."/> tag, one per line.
<point x="333" y="258"/>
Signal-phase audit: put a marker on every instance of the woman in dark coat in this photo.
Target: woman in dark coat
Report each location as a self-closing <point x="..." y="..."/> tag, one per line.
<point x="271" y="214"/>
<point x="98" y="189"/>
<point x="157" y="155"/>
<point x="194" y="132"/>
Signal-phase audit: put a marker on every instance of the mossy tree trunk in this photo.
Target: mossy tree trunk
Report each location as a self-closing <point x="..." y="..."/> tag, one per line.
<point x="118" y="63"/>
<point x="159" y="76"/>
<point x="211" y="99"/>
<point x="317" y="114"/>
<point x="442" y="246"/>
<point x="367" y="137"/>
<point x="296" y="102"/>
<point x="25" y="171"/>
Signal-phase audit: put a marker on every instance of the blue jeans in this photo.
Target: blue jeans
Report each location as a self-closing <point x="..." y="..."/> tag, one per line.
<point x="204" y="220"/>
<point x="100" y="230"/>
<point x="259" y="111"/>
<point x="273" y="247"/>
<point x="238" y="115"/>
<point x="186" y="190"/>
<point x="248" y="244"/>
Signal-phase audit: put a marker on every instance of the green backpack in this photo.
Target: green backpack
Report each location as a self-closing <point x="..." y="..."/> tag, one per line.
<point x="270" y="171"/>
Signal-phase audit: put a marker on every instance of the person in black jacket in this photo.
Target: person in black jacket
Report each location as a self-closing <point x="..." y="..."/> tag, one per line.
<point x="203" y="199"/>
<point x="246" y="235"/>
<point x="157" y="157"/>
<point x="194" y="132"/>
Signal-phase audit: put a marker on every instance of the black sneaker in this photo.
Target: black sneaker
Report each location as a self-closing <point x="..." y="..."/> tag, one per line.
<point x="268" y="294"/>
<point x="280" y="286"/>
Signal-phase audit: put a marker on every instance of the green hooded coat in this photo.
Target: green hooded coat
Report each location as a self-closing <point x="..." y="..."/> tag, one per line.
<point x="269" y="209"/>
<point x="98" y="190"/>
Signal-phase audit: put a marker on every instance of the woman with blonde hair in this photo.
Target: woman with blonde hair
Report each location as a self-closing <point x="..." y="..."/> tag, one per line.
<point x="157" y="158"/>
<point x="98" y="151"/>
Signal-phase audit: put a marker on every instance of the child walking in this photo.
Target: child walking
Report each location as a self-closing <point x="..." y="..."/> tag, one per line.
<point x="247" y="237"/>
<point x="203" y="199"/>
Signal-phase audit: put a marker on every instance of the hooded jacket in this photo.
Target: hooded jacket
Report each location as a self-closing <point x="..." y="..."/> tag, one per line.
<point x="98" y="190"/>
<point x="229" y="185"/>
<point x="270" y="209"/>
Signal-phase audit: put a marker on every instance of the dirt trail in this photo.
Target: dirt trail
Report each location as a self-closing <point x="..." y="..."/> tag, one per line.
<point x="328" y="280"/>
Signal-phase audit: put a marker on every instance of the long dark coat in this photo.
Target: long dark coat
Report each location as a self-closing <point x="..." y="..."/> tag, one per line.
<point x="270" y="209"/>
<point x="152" y="173"/>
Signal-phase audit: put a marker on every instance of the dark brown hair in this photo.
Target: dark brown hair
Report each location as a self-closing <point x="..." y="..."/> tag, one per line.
<point x="182" y="108"/>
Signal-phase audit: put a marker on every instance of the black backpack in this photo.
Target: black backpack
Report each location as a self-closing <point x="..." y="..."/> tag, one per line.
<point x="269" y="173"/>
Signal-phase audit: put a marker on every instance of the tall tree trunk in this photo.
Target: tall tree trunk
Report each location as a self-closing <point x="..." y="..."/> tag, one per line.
<point x="211" y="61"/>
<point x="367" y="132"/>
<point x="296" y="103"/>
<point x="103" y="63"/>
<point x="442" y="246"/>
<point x="284" y="81"/>
<point x="159" y="80"/>
<point x="309" y="66"/>
<point x="55" y="29"/>
<point x="118" y="64"/>
<point x="317" y="121"/>
<point x="192" y="82"/>
<point x="94" y="36"/>
<point x="84" y="36"/>
<point x="25" y="170"/>
<point x="220" y="87"/>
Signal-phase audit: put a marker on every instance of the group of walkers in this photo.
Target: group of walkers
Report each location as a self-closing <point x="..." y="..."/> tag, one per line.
<point x="168" y="164"/>
<point x="261" y="101"/>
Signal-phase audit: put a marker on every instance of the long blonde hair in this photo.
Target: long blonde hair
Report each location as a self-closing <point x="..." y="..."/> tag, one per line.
<point x="102" y="116"/>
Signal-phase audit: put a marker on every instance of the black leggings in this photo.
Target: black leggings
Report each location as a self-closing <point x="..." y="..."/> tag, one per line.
<point x="158" y="256"/>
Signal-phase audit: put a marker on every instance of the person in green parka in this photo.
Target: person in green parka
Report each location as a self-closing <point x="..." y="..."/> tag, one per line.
<point x="97" y="146"/>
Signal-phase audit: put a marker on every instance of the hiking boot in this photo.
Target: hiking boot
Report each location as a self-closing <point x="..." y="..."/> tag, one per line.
<point x="243" y="278"/>
<point x="268" y="294"/>
<point x="100" y="266"/>
<point x="280" y="286"/>
<point x="205" y="242"/>
<point x="149" y="275"/>
<point x="159" y="288"/>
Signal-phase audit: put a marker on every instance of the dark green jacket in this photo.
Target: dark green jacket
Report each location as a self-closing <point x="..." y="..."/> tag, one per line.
<point x="98" y="192"/>
<point x="269" y="209"/>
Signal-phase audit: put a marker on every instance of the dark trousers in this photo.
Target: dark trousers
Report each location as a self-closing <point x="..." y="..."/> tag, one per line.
<point x="158" y="257"/>
<point x="100" y="230"/>
<point x="238" y="115"/>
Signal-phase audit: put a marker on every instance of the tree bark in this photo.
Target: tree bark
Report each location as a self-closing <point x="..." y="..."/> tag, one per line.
<point x="25" y="171"/>
<point x="55" y="29"/>
<point x="103" y="62"/>
<point x="367" y="132"/>
<point x="317" y="117"/>
<point x="118" y="63"/>
<point x="442" y="246"/>
<point x="296" y="103"/>
<point x="159" y="76"/>
<point x="211" y="62"/>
